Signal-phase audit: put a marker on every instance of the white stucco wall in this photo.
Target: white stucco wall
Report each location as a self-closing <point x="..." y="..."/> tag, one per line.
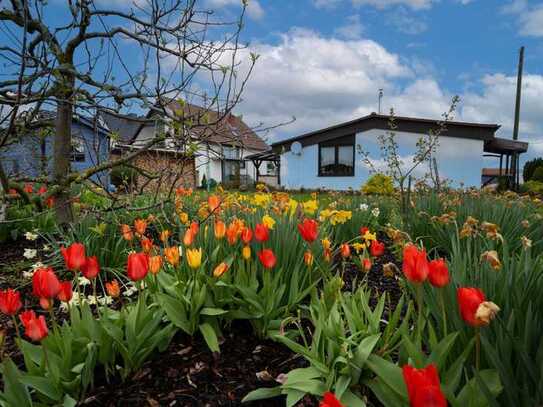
<point x="459" y="160"/>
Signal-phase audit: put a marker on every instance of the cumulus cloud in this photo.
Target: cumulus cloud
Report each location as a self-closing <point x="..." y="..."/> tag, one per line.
<point x="530" y="17"/>
<point x="254" y="9"/>
<point x="404" y="22"/>
<point x="352" y="29"/>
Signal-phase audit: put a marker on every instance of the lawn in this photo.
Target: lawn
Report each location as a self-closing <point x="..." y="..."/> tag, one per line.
<point x="274" y="299"/>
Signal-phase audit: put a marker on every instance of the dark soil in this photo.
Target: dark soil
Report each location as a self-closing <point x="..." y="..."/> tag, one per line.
<point x="188" y="374"/>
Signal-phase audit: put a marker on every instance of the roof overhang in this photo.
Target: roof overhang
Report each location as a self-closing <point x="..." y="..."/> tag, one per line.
<point x="505" y="146"/>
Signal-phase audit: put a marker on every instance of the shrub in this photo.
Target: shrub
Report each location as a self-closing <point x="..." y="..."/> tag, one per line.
<point x="537" y="175"/>
<point x="530" y="167"/>
<point x="378" y="184"/>
<point x="532" y="187"/>
<point x="123" y="176"/>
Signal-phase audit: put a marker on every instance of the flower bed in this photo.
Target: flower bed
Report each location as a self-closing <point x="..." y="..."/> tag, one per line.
<point x="229" y="298"/>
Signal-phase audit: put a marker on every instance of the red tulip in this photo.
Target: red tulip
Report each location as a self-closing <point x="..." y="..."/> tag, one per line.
<point x="42" y="190"/>
<point x="246" y="235"/>
<point x="469" y="299"/>
<point x="438" y="273"/>
<point x="137" y="266"/>
<point x="10" y="301"/>
<point x="262" y="233"/>
<point x="377" y="248"/>
<point x="35" y="328"/>
<point x="309" y="230"/>
<point x="28" y="188"/>
<point x="423" y="387"/>
<point x="91" y="268"/>
<point x="267" y="258"/>
<point x="194" y="227"/>
<point x="366" y="264"/>
<point x="345" y="250"/>
<point x="364" y="230"/>
<point x="146" y="244"/>
<point x="65" y="294"/>
<point x="330" y="400"/>
<point x="415" y="264"/>
<point x="74" y="256"/>
<point x="45" y="283"/>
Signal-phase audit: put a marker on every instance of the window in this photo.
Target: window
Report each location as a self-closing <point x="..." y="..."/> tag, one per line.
<point x="231" y="153"/>
<point x="337" y="160"/>
<point x="78" y="150"/>
<point x="242" y="164"/>
<point x="271" y="168"/>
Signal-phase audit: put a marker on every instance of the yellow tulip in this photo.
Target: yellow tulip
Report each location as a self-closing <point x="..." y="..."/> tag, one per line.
<point x="220" y="269"/>
<point x="308" y="258"/>
<point x="246" y="252"/>
<point x="268" y="221"/>
<point x="194" y="258"/>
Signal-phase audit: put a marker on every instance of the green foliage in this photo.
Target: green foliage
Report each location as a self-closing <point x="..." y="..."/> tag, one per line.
<point x="537" y="175"/>
<point x="123" y="176"/>
<point x="532" y="187"/>
<point x="378" y="184"/>
<point x="530" y="167"/>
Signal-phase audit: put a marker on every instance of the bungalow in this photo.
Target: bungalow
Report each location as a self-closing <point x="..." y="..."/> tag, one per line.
<point x="220" y="146"/>
<point x="30" y="155"/>
<point x="329" y="158"/>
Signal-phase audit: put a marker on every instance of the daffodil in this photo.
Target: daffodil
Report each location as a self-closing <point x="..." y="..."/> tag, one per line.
<point x="268" y="221"/>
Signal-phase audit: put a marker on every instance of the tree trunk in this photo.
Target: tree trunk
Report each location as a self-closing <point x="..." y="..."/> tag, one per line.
<point x="62" y="151"/>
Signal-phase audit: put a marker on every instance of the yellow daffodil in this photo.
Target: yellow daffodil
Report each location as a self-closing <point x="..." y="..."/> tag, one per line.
<point x="310" y="207"/>
<point x="268" y="221"/>
<point x="369" y="237"/>
<point x="358" y="247"/>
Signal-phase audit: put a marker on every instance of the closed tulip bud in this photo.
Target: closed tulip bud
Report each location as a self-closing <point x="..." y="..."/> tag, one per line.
<point x="377" y="248"/>
<point x="146" y="244"/>
<point x="309" y="230"/>
<point x="364" y="230"/>
<point x="438" y="273"/>
<point x="10" y="302"/>
<point x="329" y="400"/>
<point x="188" y="239"/>
<point x="137" y="266"/>
<point x="345" y="250"/>
<point x="327" y="255"/>
<point x="126" y="231"/>
<point x="246" y="252"/>
<point x="267" y="258"/>
<point x="91" y="268"/>
<point x="194" y="227"/>
<point x="45" y="283"/>
<point x="172" y="255"/>
<point x="65" y="294"/>
<point x="113" y="289"/>
<point x="194" y="258"/>
<point x="415" y="264"/>
<point x="366" y="264"/>
<point x="262" y="233"/>
<point x="74" y="256"/>
<point x="308" y="258"/>
<point x="246" y="235"/>
<point x="469" y="300"/>
<point x="165" y="235"/>
<point x="220" y="229"/>
<point x="140" y="225"/>
<point x="423" y="387"/>
<point x="220" y="270"/>
<point x="35" y="328"/>
<point x="155" y="264"/>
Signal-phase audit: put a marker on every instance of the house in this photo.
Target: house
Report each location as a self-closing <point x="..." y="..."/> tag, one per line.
<point x="30" y="155"/>
<point x="330" y="158"/>
<point x="213" y="147"/>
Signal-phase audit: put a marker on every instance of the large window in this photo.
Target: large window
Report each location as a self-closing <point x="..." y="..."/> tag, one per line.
<point x="337" y="159"/>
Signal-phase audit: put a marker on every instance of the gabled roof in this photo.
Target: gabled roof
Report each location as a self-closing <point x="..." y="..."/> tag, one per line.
<point x="209" y="126"/>
<point x="465" y="130"/>
<point x="124" y="125"/>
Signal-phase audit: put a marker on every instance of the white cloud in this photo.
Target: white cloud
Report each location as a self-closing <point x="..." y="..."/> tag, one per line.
<point x="404" y="22"/>
<point x="530" y="17"/>
<point x="254" y="9"/>
<point x="353" y="28"/>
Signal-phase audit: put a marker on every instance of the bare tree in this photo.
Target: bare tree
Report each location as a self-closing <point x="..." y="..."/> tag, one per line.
<point x="72" y="59"/>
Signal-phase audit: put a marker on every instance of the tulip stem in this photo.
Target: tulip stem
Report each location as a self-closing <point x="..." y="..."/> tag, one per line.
<point x="419" y="304"/>
<point x="45" y="357"/>
<point x="443" y="313"/>
<point x="477" y="348"/>
<point x="53" y="318"/>
<point x="17" y="331"/>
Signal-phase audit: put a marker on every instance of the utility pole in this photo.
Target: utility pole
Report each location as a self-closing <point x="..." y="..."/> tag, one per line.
<point x="380" y="98"/>
<point x="515" y="159"/>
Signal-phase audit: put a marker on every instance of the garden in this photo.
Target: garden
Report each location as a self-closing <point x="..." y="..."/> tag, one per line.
<point x="273" y="299"/>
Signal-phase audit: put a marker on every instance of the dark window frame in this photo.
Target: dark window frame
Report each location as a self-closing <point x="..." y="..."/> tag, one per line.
<point x="346" y="141"/>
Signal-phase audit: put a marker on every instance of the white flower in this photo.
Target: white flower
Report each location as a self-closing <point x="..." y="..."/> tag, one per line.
<point x="91" y="299"/>
<point x="105" y="300"/>
<point x="363" y="207"/>
<point x="31" y="236"/>
<point x="130" y="291"/>
<point x="28" y="274"/>
<point x="37" y="265"/>
<point x="30" y="253"/>
<point x="82" y="281"/>
<point x="75" y="299"/>
<point x="375" y="212"/>
<point x="46" y="248"/>
<point x="63" y="307"/>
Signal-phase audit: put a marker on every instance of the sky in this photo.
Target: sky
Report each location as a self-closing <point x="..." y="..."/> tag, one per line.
<point x="323" y="61"/>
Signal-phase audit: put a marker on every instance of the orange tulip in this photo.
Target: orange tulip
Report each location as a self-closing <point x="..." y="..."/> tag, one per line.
<point x="195" y="227"/>
<point x="246" y="235"/>
<point x="308" y="258"/>
<point x="140" y="226"/>
<point x="345" y="250"/>
<point x="220" y="229"/>
<point x="188" y="239"/>
<point x="220" y="269"/>
<point x="113" y="289"/>
<point x="214" y="203"/>
<point x="146" y="244"/>
<point x="232" y="233"/>
<point x="155" y="264"/>
<point x="172" y="255"/>
<point x="127" y="232"/>
<point x="165" y="235"/>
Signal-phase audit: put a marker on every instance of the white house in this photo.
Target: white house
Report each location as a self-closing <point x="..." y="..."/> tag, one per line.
<point x="329" y="158"/>
<point x="220" y="145"/>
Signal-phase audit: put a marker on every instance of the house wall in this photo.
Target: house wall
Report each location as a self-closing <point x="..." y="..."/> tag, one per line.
<point x="170" y="168"/>
<point x="459" y="160"/>
<point x="27" y="156"/>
